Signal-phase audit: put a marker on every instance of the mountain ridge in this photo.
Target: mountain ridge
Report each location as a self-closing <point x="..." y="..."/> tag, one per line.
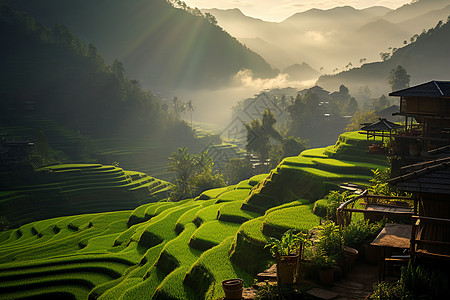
<point x="162" y="46"/>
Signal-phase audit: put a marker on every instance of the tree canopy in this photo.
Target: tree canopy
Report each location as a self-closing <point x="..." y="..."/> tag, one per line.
<point x="193" y="174"/>
<point x="398" y="78"/>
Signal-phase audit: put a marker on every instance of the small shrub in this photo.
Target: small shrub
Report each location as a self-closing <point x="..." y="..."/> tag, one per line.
<point x="414" y="283"/>
<point x="386" y="290"/>
<point x="267" y="292"/>
<point x="330" y="241"/>
<point x="360" y="232"/>
<point x="321" y="208"/>
<point x="417" y="282"/>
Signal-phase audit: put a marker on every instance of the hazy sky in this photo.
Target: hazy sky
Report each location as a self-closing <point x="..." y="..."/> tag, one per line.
<point x="278" y="10"/>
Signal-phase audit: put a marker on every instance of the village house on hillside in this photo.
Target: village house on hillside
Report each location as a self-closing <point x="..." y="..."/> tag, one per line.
<point x="426" y="108"/>
<point x="420" y="156"/>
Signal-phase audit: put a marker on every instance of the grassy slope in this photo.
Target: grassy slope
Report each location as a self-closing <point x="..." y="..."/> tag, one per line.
<point x="175" y="250"/>
<point x="76" y="188"/>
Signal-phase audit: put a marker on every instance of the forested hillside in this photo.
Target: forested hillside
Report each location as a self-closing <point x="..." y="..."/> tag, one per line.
<point x="162" y="46"/>
<point x="50" y="73"/>
<point x="425" y="59"/>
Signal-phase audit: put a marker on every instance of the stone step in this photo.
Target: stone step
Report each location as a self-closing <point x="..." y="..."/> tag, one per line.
<point x="318" y="293"/>
<point x="270" y="274"/>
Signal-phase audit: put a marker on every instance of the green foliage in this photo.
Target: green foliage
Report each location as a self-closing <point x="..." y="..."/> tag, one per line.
<point x="53" y="64"/>
<point x="360" y="232"/>
<point x="237" y="169"/>
<point x="259" y="134"/>
<point x="361" y="118"/>
<point x="330" y="242"/>
<point x="381" y="103"/>
<point x="289" y="243"/>
<point x="415" y="283"/>
<point x="386" y="290"/>
<point x="398" y="78"/>
<point x="322" y="260"/>
<point x="267" y="292"/>
<point x="193" y="174"/>
<point x="327" y="207"/>
<point x="321" y="208"/>
<point x="289" y="147"/>
<point x="380" y="185"/>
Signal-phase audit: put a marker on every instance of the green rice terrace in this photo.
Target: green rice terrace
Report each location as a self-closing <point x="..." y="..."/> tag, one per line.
<point x="147" y="155"/>
<point x="78" y="188"/>
<point x="165" y="250"/>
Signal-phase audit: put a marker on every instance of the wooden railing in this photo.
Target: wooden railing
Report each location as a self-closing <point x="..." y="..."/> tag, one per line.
<point x="416" y="243"/>
<point x="344" y="213"/>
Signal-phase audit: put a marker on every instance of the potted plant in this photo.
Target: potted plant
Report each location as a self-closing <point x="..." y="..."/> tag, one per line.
<point x="359" y="234"/>
<point x="330" y="241"/>
<point x="286" y="252"/>
<point x="325" y="265"/>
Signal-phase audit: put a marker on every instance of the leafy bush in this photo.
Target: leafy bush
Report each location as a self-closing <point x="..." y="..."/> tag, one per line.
<point x="321" y="208"/>
<point x="360" y="232"/>
<point x="414" y="283"/>
<point x="386" y="290"/>
<point x="330" y="242"/>
<point x="327" y="207"/>
<point x="289" y="243"/>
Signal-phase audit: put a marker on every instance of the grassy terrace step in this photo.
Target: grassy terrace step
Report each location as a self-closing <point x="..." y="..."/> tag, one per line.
<point x="299" y="217"/>
<point x="244" y="185"/>
<point x="77" y="188"/>
<point x="233" y="195"/>
<point x="164" y="250"/>
<point x="162" y="229"/>
<point x="257" y="179"/>
<point x="315" y="152"/>
<point x="211" y="234"/>
<point x="68" y="289"/>
<point x="213" y="193"/>
<point x="177" y="252"/>
<point x="208" y="213"/>
<point x="331" y="175"/>
<point x="214" y="266"/>
<point x="138" y="215"/>
<point x="232" y="212"/>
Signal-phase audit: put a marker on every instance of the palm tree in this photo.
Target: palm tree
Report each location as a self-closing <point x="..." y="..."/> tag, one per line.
<point x="190" y="108"/>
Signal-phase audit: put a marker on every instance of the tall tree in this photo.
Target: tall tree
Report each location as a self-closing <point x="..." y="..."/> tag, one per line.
<point x="190" y="108"/>
<point x="118" y="68"/>
<point x="259" y="134"/>
<point x="193" y="174"/>
<point x="398" y="78"/>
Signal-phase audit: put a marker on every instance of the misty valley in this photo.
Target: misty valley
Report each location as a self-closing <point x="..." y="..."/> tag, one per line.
<point x="154" y="150"/>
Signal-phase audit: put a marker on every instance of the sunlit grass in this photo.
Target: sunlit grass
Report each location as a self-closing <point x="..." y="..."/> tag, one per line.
<point x="298" y="217"/>
<point x="212" y="233"/>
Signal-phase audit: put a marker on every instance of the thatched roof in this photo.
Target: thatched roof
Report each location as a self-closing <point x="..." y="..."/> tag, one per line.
<point x="432" y="89"/>
<point x="425" y="177"/>
<point x="381" y="125"/>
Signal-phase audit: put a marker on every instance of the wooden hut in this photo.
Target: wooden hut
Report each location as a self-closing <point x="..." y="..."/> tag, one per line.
<point x="383" y="128"/>
<point x="426" y="108"/>
<point x="429" y="182"/>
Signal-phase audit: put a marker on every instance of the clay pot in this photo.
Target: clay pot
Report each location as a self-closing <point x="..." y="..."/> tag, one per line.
<point x="351" y="254"/>
<point x="232" y="288"/>
<point x="286" y="269"/>
<point x="326" y="277"/>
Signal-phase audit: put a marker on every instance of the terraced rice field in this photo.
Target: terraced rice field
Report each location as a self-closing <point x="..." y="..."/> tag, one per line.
<point x="169" y="250"/>
<point x="77" y="188"/>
